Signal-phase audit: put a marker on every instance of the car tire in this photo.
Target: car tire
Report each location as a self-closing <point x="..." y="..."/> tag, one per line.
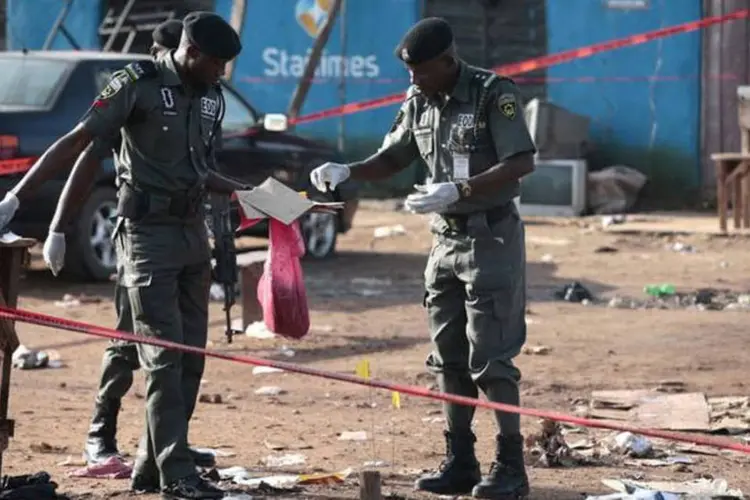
<point x="90" y="251"/>
<point x="320" y="233"/>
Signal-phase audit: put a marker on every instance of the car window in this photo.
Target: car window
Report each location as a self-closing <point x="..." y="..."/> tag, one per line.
<point x="237" y="116"/>
<point x="30" y="81"/>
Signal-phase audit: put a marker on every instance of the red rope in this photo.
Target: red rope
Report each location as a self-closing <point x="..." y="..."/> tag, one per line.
<point x="98" y="331"/>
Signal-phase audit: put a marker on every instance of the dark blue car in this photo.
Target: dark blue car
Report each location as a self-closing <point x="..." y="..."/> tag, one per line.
<point x="44" y="94"/>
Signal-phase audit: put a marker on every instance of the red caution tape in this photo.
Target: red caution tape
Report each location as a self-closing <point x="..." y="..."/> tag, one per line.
<point x="98" y="331"/>
<point x="539" y="63"/>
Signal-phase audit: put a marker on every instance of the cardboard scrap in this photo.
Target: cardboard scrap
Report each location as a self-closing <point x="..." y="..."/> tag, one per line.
<point x="278" y="201"/>
<point x="651" y="409"/>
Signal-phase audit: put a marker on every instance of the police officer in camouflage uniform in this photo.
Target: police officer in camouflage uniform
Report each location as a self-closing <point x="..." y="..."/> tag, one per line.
<point x="467" y="125"/>
<point x="169" y="113"/>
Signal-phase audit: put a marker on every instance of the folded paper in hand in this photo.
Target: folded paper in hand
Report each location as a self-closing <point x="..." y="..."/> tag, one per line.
<point x="275" y="200"/>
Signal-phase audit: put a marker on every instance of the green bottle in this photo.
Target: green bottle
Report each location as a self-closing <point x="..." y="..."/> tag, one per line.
<point x="662" y="290"/>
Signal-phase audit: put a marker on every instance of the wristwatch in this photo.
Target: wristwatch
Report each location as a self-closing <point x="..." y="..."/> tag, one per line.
<point x="464" y="188"/>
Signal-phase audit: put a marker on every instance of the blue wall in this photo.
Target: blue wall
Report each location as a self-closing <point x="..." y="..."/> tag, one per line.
<point x="30" y="21"/>
<point x="275" y="42"/>
<point x="623" y="120"/>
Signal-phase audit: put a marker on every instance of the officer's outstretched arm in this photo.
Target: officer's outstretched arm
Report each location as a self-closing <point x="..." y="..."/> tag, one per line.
<point x="398" y="151"/>
<point x="510" y="135"/>
<point x="79" y="185"/>
<point x="57" y="158"/>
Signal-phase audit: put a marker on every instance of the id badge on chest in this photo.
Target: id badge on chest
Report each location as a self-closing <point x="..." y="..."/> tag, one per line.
<point x="460" y="166"/>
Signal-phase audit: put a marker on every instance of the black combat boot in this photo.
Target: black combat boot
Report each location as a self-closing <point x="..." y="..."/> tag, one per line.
<point x="507" y="478"/>
<point x="459" y="472"/>
<point x="190" y="488"/>
<point x="100" y="442"/>
<point x="202" y="459"/>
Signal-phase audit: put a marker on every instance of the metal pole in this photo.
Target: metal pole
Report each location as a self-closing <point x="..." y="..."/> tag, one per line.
<point x="342" y="81"/>
<point x="56" y="27"/>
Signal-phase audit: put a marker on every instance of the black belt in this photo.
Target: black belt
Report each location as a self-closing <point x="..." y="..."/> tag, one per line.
<point x="458" y="223"/>
<point x="135" y="204"/>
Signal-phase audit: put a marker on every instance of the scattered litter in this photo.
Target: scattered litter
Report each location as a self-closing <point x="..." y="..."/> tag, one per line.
<point x="287" y="351"/>
<point x="730" y="414"/>
<point x="614" y="190"/>
<point x="70" y="300"/>
<point x="240" y="475"/>
<point x="681" y="248"/>
<point x="29" y="359"/>
<point x="666" y="490"/>
<point x="548" y="448"/>
<point x="660" y="462"/>
<point x="610" y="220"/>
<point x="38" y="486"/>
<point x="633" y="445"/>
<point x="371" y="282"/>
<point x="541" y="240"/>
<point x="263" y="370"/>
<point x="111" y="468"/>
<point x="216" y="292"/>
<point x="547" y="258"/>
<point x="388" y="231"/>
<point x="216" y="452"/>
<point x="652" y="409"/>
<point x="661" y="290"/>
<point x="606" y="249"/>
<point x="211" y="398"/>
<point x="574" y="292"/>
<point x="376" y="463"/>
<point x="286" y="460"/>
<point x="671" y="386"/>
<point x="270" y="390"/>
<point x="536" y="349"/>
<point x="353" y="436"/>
<point x="43" y="447"/>
<point x="259" y="330"/>
<point x="433" y="420"/>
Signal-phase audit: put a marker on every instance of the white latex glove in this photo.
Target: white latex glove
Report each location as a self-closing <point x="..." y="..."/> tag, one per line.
<point x="328" y="176"/>
<point x="54" y="252"/>
<point x="432" y="197"/>
<point x="8" y="208"/>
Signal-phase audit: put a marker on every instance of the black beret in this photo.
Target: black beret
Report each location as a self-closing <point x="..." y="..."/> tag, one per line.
<point x="168" y="34"/>
<point x="426" y="40"/>
<point x="212" y="35"/>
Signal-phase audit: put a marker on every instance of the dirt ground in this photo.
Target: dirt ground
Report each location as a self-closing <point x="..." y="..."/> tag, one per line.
<point x="366" y="304"/>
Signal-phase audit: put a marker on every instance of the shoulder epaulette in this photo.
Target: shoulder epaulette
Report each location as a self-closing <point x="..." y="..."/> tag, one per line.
<point x="141" y="69"/>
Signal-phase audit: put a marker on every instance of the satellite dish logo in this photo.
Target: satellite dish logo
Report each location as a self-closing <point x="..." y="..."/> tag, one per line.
<point x="311" y="14"/>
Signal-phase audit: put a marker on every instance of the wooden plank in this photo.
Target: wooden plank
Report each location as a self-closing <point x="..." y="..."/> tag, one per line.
<point x="369" y="485"/>
<point x="11" y="262"/>
<point x="8" y="337"/>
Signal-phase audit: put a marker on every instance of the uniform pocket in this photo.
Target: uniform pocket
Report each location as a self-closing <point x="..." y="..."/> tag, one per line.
<point x="423" y="138"/>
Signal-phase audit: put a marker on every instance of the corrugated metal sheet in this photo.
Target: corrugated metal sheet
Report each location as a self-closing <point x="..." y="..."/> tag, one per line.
<point x="493" y="32"/>
<point x="726" y="51"/>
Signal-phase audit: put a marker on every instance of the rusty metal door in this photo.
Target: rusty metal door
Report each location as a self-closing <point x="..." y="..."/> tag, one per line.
<point x="493" y="32"/>
<point x="725" y="66"/>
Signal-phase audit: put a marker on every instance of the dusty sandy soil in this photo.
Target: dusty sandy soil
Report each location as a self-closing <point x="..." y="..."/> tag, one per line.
<point x="366" y="304"/>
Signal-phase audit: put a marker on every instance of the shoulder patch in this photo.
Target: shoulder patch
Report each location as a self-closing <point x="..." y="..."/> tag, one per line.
<point x="141" y="69"/>
<point x="507" y="105"/>
<point x="118" y="80"/>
